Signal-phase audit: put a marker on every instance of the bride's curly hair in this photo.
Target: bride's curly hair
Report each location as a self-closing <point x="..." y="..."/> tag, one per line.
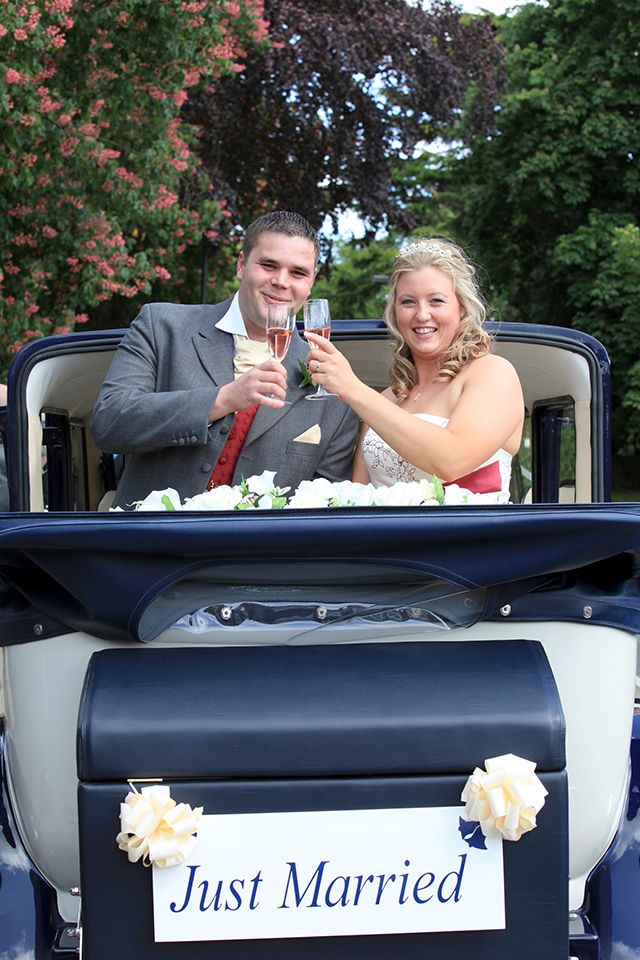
<point x="471" y="340"/>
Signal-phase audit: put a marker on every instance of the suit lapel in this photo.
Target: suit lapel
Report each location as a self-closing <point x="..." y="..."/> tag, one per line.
<point x="215" y="348"/>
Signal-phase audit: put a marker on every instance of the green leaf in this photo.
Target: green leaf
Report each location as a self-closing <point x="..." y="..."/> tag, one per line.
<point x="438" y="489"/>
<point x="166" y="503"/>
<point x="306" y="376"/>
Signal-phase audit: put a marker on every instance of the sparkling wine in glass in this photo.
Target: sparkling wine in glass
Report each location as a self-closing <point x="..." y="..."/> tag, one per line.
<point x="318" y="319"/>
<point x="281" y="322"/>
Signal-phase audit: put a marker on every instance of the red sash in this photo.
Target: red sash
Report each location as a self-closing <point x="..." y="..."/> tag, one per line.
<point x="487" y="479"/>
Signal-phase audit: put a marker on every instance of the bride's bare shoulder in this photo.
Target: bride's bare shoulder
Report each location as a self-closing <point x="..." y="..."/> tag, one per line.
<point x="491" y="365"/>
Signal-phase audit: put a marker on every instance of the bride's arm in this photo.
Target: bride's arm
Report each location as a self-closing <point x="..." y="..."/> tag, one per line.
<point x="487" y="416"/>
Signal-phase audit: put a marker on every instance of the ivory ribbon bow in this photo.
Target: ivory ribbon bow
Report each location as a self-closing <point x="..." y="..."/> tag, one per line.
<point x="504" y="797"/>
<point x="156" y="829"/>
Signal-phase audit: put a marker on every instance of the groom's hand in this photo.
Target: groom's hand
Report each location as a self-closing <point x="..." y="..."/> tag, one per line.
<point x="265" y="385"/>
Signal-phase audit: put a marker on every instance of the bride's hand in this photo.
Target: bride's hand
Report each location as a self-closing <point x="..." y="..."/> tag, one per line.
<point x="330" y="367"/>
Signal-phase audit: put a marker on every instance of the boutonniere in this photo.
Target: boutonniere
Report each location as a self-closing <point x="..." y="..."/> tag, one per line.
<point x="306" y="376"/>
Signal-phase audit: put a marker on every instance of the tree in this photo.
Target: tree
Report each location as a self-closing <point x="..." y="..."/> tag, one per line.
<point x="102" y="194"/>
<point x="601" y="265"/>
<point x="427" y="188"/>
<point x="314" y="120"/>
<point x="357" y="284"/>
<point x="549" y="200"/>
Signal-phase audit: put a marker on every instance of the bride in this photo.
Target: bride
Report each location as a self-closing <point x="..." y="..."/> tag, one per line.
<point x="453" y="409"/>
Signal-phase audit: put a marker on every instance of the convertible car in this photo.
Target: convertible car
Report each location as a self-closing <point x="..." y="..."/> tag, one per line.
<point x="314" y="689"/>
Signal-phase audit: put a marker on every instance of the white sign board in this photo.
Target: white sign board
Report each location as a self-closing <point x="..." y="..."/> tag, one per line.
<point x="328" y="874"/>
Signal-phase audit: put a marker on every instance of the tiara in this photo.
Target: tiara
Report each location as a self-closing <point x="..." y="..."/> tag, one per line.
<point x="425" y="246"/>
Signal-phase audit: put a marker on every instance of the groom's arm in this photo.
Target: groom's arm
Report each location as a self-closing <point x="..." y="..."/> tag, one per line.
<point x="131" y="415"/>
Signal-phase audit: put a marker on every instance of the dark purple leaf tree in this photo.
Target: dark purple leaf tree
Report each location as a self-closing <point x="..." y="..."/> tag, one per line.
<point x="315" y="121"/>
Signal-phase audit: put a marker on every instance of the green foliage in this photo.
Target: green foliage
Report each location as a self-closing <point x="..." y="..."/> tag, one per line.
<point x="548" y="201"/>
<point x="357" y="285"/>
<point x="427" y="184"/>
<point x="102" y="195"/>
<point x="601" y="263"/>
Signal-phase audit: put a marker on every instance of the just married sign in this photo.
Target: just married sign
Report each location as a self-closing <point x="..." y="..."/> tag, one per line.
<point x="330" y="873"/>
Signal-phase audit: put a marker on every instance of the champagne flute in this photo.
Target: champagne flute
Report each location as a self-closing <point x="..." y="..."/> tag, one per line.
<point x="317" y="319"/>
<point x="281" y="322"/>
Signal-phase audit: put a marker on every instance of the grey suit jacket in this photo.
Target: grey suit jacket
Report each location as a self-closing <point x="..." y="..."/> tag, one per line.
<point x="155" y="402"/>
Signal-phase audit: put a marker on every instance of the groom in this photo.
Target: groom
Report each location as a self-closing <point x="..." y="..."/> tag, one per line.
<point x="193" y="398"/>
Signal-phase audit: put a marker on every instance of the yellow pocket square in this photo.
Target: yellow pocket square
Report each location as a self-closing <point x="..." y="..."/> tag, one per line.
<point x="312" y="435"/>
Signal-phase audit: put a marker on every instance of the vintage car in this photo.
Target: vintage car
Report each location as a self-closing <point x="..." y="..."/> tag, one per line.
<point x="322" y="683"/>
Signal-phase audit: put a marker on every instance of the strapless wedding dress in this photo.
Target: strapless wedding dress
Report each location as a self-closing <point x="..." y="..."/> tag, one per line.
<point x="386" y="467"/>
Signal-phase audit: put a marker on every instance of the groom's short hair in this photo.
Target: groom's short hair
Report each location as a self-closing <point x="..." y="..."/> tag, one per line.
<point x="280" y="221"/>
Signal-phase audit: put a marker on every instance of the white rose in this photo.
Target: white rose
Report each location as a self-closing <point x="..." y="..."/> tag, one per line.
<point x="321" y="487"/>
<point x="311" y="494"/>
<point x="348" y="493"/>
<point x="306" y="501"/>
<point x="455" y="496"/>
<point x="220" y="498"/>
<point x="263" y="483"/>
<point x="428" y="490"/>
<point x="493" y="498"/>
<point x="400" y="495"/>
<point x="264" y="503"/>
<point x="154" y="500"/>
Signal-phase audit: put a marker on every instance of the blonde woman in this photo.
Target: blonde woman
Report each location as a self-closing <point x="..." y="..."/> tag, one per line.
<point x="453" y="409"/>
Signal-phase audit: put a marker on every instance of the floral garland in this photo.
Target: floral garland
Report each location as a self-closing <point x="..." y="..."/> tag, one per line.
<point x="262" y="493"/>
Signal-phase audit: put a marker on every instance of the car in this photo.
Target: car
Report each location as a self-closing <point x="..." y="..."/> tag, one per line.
<point x="323" y="684"/>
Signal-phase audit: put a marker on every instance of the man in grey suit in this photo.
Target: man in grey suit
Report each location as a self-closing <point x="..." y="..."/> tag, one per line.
<point x="192" y="396"/>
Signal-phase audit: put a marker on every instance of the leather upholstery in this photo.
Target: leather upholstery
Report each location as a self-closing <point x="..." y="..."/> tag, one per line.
<point x="389" y="708"/>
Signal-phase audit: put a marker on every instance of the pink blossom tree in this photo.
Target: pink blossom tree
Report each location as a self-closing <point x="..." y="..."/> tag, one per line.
<point x="102" y="195"/>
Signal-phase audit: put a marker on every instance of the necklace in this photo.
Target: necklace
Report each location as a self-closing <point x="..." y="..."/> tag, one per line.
<point x="417" y="396"/>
